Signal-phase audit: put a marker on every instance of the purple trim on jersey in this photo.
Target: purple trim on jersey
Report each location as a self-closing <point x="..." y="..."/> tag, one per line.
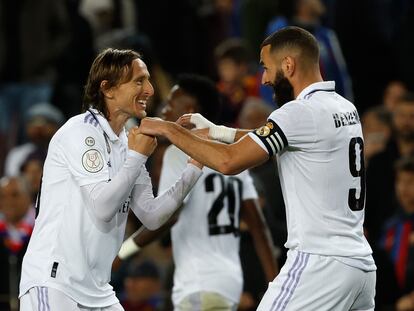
<point x="90" y="119"/>
<point x="292" y="271"/>
<point x="296" y="282"/>
<point x="47" y="298"/>
<point x="291" y="281"/>
<point x="39" y="299"/>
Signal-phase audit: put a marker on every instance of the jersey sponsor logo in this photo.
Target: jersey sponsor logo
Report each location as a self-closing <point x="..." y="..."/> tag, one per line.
<point x="89" y="141"/>
<point x="92" y="161"/>
<point x="346" y="118"/>
<point x="265" y="130"/>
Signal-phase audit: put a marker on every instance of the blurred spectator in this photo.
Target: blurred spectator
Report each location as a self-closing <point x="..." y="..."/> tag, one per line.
<point x="307" y="14"/>
<point x="32" y="170"/>
<point x="376" y="127"/>
<point x="43" y="120"/>
<point x="142" y="287"/>
<point x="392" y="93"/>
<point x="363" y="29"/>
<point x="33" y="34"/>
<point x="381" y="202"/>
<point x="74" y="63"/>
<point x="16" y="224"/>
<point x="235" y="81"/>
<point x="254" y="17"/>
<point x="253" y="115"/>
<point x="398" y="235"/>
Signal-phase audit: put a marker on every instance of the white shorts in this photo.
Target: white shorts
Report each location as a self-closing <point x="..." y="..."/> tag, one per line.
<point x="318" y="283"/>
<point x="50" y="299"/>
<point x="205" y="301"/>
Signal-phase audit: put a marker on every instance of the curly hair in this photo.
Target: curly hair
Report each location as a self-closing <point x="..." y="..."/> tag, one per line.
<point x="112" y="65"/>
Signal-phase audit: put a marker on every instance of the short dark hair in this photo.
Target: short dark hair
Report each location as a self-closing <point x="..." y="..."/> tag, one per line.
<point x="293" y="37"/>
<point x="112" y="65"/>
<point x="204" y="92"/>
<point x="405" y="164"/>
<point x="407" y="97"/>
<point x="234" y="49"/>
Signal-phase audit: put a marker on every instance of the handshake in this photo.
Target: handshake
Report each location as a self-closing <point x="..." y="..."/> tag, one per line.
<point x="142" y="139"/>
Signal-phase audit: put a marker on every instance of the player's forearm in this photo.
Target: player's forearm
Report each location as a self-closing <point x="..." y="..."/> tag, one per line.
<point x="265" y="251"/>
<point x="107" y="197"/>
<point x="262" y="238"/>
<point x="240" y="133"/>
<point x="154" y="212"/>
<point x="210" y="153"/>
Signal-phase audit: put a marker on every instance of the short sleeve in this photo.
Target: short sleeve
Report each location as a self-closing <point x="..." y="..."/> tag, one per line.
<point x="85" y="153"/>
<point x="292" y="125"/>
<point x="249" y="190"/>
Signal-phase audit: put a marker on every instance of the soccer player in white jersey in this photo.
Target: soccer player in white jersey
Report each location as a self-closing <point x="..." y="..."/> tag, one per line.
<point x="92" y="176"/>
<point x="205" y="239"/>
<point x="317" y="137"/>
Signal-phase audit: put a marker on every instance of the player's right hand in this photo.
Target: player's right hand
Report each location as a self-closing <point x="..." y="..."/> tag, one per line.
<point x="141" y="143"/>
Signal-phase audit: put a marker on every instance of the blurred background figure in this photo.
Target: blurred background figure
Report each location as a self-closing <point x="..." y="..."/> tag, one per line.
<point x="381" y="200"/>
<point x="398" y="236"/>
<point x="17" y="216"/>
<point x="394" y="90"/>
<point x="253" y="115"/>
<point x="33" y="35"/>
<point x="42" y="122"/>
<point x="307" y="14"/>
<point x="235" y="79"/>
<point x="142" y="287"/>
<point x="376" y="127"/>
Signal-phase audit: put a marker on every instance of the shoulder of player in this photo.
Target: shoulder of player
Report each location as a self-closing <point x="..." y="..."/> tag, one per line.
<point x="76" y="131"/>
<point x="292" y="108"/>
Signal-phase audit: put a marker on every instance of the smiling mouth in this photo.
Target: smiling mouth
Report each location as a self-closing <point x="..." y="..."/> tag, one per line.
<point x="142" y="103"/>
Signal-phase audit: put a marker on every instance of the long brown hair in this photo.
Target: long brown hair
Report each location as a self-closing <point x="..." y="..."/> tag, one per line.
<point x="112" y="65"/>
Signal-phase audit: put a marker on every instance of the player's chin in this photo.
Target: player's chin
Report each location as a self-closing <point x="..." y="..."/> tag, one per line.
<point x="141" y="114"/>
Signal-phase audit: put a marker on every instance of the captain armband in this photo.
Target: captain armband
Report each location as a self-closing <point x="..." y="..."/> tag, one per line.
<point x="272" y="137"/>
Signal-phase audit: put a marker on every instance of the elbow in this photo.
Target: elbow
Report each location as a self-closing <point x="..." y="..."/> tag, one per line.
<point x="151" y="225"/>
<point x="229" y="167"/>
<point x="103" y="217"/>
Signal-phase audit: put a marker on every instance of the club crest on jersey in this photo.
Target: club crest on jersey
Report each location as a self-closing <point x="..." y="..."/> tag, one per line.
<point x="265" y="129"/>
<point x="92" y="161"/>
<point x="89" y="141"/>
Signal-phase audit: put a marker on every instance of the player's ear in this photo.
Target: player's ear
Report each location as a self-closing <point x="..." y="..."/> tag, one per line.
<point x="288" y="66"/>
<point x="105" y="89"/>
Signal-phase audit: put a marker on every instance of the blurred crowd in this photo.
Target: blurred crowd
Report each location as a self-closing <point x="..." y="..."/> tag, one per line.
<point x="46" y="48"/>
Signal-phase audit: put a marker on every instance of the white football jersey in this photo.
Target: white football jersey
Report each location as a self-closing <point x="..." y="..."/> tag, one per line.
<point x="319" y="144"/>
<point x="205" y="238"/>
<point x="70" y="249"/>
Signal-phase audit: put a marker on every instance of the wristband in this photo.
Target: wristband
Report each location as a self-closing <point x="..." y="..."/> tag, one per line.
<point x="222" y="133"/>
<point x="128" y="248"/>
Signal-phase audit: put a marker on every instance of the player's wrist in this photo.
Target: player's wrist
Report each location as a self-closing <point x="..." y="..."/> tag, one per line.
<point x="128" y="248"/>
<point x="222" y="133"/>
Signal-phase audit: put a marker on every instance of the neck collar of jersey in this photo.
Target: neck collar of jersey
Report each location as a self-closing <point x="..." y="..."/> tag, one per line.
<point x="103" y="122"/>
<point x="327" y="86"/>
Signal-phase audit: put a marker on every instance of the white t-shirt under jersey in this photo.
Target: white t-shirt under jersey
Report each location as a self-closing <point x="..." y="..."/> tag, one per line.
<point x="205" y="239"/>
<point x="70" y="249"/>
<point x="319" y="143"/>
